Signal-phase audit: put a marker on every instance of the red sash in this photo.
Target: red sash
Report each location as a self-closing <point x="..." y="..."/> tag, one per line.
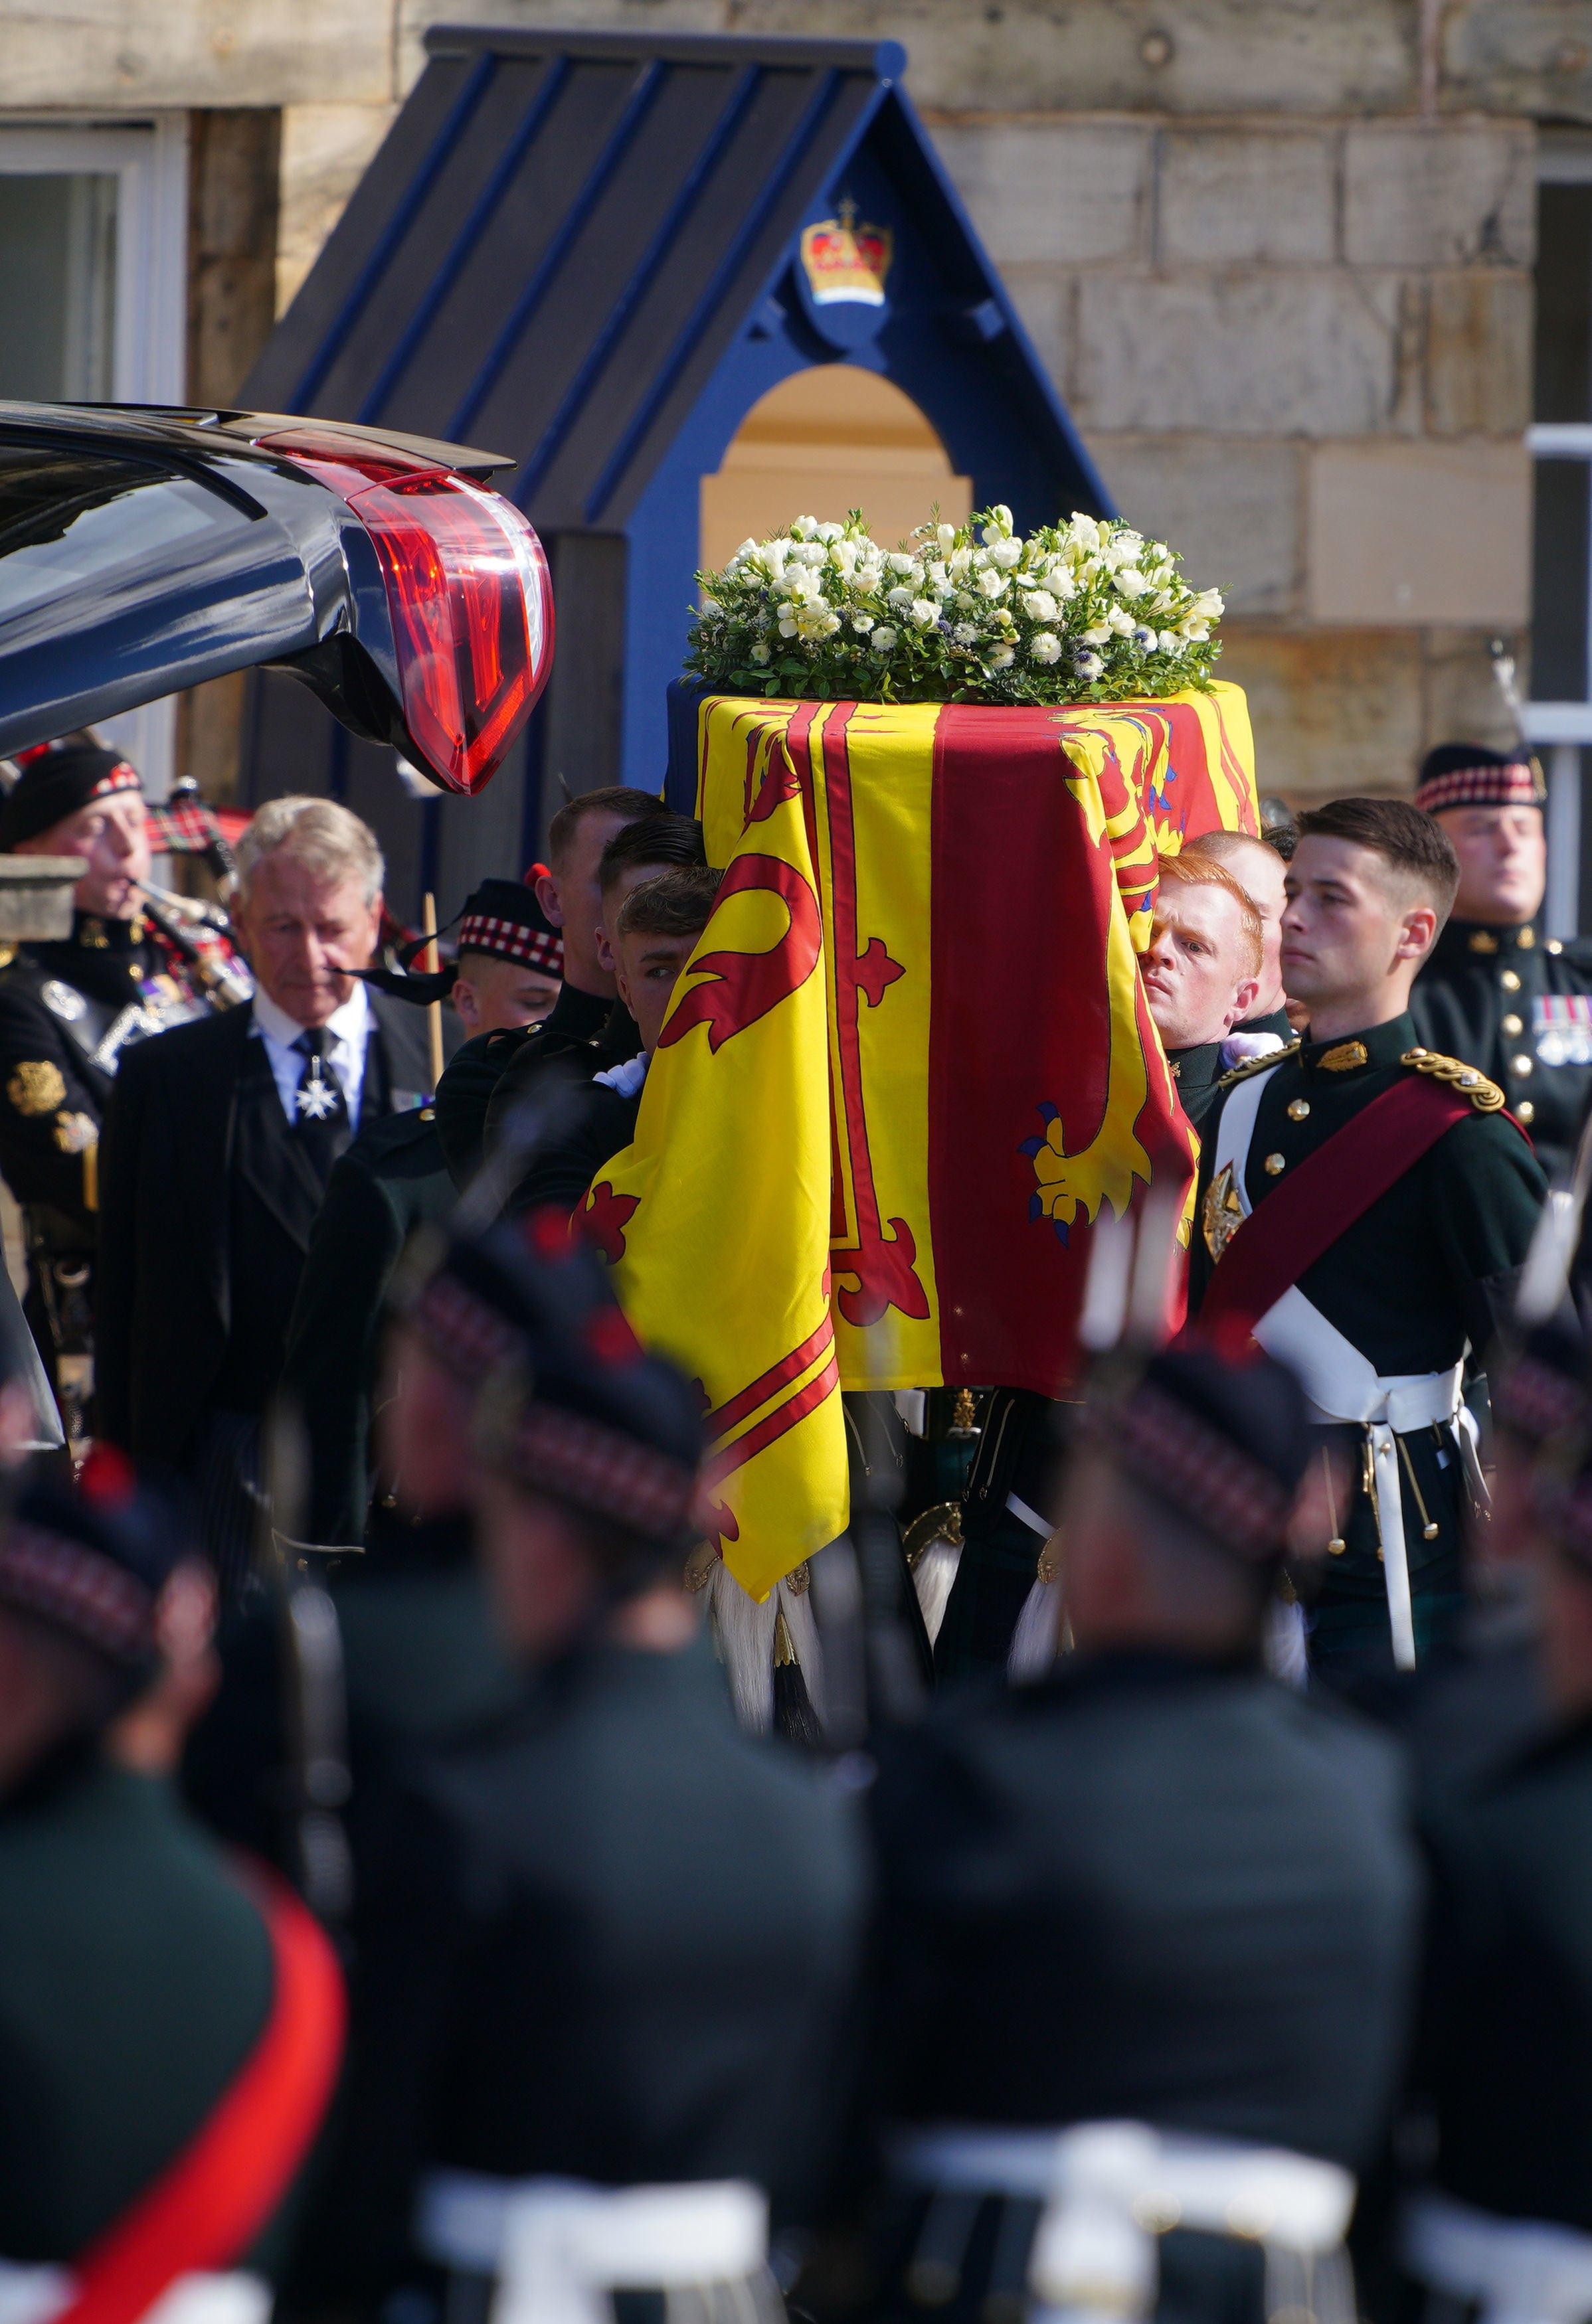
<point x="1304" y="1214"/>
<point x="212" y="2200"/>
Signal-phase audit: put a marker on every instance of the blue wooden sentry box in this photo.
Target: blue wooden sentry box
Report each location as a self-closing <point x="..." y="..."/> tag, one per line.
<point x="584" y="250"/>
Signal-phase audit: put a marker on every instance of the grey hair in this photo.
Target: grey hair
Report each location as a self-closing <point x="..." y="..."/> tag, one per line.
<point x="325" y="837"/>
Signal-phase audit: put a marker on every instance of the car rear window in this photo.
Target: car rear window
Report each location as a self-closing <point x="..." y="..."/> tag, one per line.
<point x="68" y="518"/>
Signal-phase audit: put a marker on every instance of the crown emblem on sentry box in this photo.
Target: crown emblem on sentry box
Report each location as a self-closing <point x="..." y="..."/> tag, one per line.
<point x="846" y="260"/>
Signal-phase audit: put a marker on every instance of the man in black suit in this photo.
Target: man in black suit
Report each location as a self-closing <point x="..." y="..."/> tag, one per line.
<point x="218" y="1146"/>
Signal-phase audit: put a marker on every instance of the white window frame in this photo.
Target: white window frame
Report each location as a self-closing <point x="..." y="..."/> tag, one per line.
<point x="148" y="156"/>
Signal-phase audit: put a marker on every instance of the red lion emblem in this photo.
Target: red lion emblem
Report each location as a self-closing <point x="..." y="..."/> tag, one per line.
<point x="743" y="986"/>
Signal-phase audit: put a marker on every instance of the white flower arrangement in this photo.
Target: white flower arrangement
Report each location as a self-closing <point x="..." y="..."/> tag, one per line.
<point x="1088" y="611"/>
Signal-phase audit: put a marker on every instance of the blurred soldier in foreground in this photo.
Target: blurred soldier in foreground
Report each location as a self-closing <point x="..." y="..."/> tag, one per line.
<point x="566" y="890"/>
<point x="1153" y="1890"/>
<point x="69" y="1013"/>
<point x="1364" y="1207"/>
<point x="170" y="2026"/>
<point x="613" y="1941"/>
<point x="1494" y="990"/>
<point x="218" y="1146"/>
<point x="1504" y="2068"/>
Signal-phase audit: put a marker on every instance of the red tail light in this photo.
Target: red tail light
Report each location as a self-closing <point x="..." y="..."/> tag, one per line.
<point x="468" y="594"/>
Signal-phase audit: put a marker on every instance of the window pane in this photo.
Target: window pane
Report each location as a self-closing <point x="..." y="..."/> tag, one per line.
<point x="1558" y="581"/>
<point x="58" y="250"/>
<point x="1564" y="302"/>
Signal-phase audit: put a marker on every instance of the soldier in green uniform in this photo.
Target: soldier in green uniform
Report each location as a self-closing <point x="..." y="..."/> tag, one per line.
<point x="68" y="1011"/>
<point x="140" y="1976"/>
<point x="584" y="1016"/>
<point x="1151" y="1899"/>
<point x="393" y="1179"/>
<point x="611" y="1940"/>
<point x="1496" y="990"/>
<point x="1364" y="1207"/>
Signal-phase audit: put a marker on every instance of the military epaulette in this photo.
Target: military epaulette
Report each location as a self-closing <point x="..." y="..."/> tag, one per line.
<point x="1485" y="1095"/>
<point x="1267" y="1059"/>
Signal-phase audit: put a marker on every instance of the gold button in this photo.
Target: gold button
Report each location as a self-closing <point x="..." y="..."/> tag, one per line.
<point x="1554" y="946"/>
<point x="1274" y="1163"/>
<point x="1299" y="1111"/>
<point x="1510" y="981"/>
<point x="1525" y="1110"/>
<point x="1512" y="1025"/>
<point x="1335" y="1548"/>
<point x="1526" y="939"/>
<point x="1519" y="1065"/>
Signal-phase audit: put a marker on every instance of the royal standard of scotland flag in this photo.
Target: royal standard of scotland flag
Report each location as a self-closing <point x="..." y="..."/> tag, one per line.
<point x="908" y="1063"/>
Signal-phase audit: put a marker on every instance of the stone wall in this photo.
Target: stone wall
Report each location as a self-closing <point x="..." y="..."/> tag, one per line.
<point x="1277" y="254"/>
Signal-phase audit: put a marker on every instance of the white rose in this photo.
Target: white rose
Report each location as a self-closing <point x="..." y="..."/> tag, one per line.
<point x="760" y="651"/>
<point x="901" y="596"/>
<point x="788" y="627"/>
<point x="1007" y="554"/>
<point x="1044" y="646"/>
<point x="1039" y="606"/>
<point x="1131" y="583"/>
<point x="959" y="560"/>
<point x="900" y="562"/>
<point x="805" y="527"/>
<point x="827" y="532"/>
<point x="1099" y="635"/>
<point x="1000" y="658"/>
<point x="748" y="547"/>
<point x="1088" y="666"/>
<point x="992" y="584"/>
<point x="1120" y="623"/>
<point x="925" y="612"/>
<point x="936" y="575"/>
<point x="1209" y="605"/>
<point x="885" y="638"/>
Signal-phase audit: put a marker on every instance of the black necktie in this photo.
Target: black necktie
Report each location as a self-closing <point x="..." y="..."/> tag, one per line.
<point x="320" y="1115"/>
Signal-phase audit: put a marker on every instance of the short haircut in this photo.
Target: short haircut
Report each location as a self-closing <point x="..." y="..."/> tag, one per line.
<point x="675" y="904"/>
<point x="615" y="798"/>
<point x="1193" y="871"/>
<point x="1228" y="848"/>
<point x="1282" y="838"/>
<point x="324" y="837"/>
<point x="1413" y="845"/>
<point x="662" y="839"/>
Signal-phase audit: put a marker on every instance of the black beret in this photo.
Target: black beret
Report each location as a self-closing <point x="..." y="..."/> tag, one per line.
<point x="501" y="918"/>
<point x="58" y="780"/>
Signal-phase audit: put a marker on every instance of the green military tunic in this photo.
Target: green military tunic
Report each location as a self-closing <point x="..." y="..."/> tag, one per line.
<point x="1520" y="1009"/>
<point x="135" y="1977"/>
<point x="1426" y="1271"/>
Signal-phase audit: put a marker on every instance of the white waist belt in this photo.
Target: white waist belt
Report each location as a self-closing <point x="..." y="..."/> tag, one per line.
<point x="1519" y="2271"/>
<point x="1110" y="2187"/>
<point x="33" y="2295"/>
<point x="558" y="2246"/>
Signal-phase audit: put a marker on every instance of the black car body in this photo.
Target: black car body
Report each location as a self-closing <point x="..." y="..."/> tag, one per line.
<point x="144" y="551"/>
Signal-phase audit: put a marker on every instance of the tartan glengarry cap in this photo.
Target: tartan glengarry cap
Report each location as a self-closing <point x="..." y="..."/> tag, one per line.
<point x="1223" y="1441"/>
<point x="58" y="780"/>
<point x="566" y="1398"/>
<point x="92" y="1558"/>
<point x="503" y="918"/>
<point x="1468" y="774"/>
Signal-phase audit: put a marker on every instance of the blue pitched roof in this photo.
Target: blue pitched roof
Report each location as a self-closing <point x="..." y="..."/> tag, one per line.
<point x="565" y="232"/>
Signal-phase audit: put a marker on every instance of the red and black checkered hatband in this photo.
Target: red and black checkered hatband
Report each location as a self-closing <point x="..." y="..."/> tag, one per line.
<point x="77" y="1589"/>
<point x="1177" y="1456"/>
<point x="542" y="948"/>
<point x="1515" y="784"/>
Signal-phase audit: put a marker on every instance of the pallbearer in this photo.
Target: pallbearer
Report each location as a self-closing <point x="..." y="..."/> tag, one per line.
<point x="1497" y="991"/>
<point x="1365" y="1206"/>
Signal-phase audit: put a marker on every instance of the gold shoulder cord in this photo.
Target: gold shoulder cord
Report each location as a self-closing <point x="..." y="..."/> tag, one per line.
<point x="1486" y="1096"/>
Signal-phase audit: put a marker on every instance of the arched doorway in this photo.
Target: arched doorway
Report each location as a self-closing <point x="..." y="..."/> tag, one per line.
<point x="824" y="441"/>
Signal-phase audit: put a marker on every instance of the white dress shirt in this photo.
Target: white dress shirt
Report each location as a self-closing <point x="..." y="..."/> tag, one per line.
<point x="348" y="1034"/>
